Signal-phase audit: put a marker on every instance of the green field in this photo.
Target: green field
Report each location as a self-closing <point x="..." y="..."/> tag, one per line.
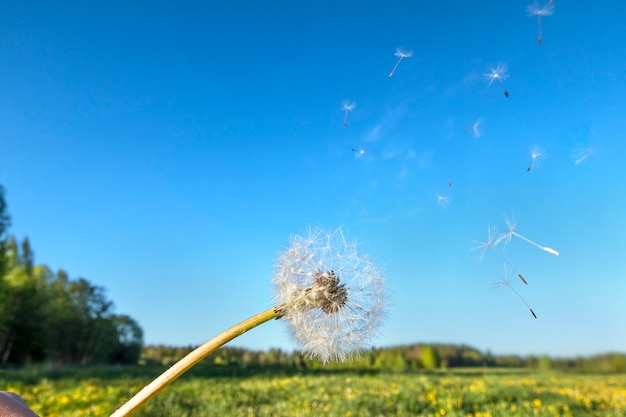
<point x="477" y="392"/>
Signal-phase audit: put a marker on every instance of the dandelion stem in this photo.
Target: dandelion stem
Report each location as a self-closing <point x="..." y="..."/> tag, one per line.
<point x="522" y="298"/>
<point x="544" y="248"/>
<point x="395" y="66"/>
<point x="192" y="359"/>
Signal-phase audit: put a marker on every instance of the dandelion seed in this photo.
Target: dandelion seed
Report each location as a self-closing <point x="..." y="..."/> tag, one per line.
<point x="475" y="128"/>
<point x="450" y="184"/>
<point x="581" y="154"/>
<point x="508" y="235"/>
<point x="500" y="73"/>
<point x="483" y="247"/>
<point x="332" y="298"/>
<point x="442" y="200"/>
<point x="347" y="107"/>
<point x="505" y="282"/>
<point x="358" y="153"/>
<point x="401" y="54"/>
<point x="491" y="243"/>
<point x="540" y="11"/>
<point x="537" y="154"/>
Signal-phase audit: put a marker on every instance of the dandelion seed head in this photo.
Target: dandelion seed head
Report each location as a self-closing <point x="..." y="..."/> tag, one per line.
<point x="332" y="297"/>
<point x="401" y="53"/>
<point x="489" y="243"/>
<point x="537" y="153"/>
<point x="358" y="153"/>
<point x="506" y="237"/>
<point x="536" y="10"/>
<point x="442" y="200"/>
<point x="476" y="128"/>
<point x="499" y="73"/>
<point x="349" y="106"/>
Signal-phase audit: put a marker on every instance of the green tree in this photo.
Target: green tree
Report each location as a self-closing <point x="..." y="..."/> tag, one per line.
<point x="544" y="363"/>
<point x="93" y="308"/>
<point x="129" y="337"/>
<point x="65" y="321"/>
<point x="5" y="222"/>
<point x="22" y="319"/>
<point x="430" y="358"/>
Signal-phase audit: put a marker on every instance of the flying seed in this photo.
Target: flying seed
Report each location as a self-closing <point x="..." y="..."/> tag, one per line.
<point x="401" y="54"/>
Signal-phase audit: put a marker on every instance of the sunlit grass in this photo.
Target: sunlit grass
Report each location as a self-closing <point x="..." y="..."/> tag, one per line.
<point x="475" y="392"/>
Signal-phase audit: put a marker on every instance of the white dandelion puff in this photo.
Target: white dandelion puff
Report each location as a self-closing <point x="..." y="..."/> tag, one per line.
<point x="540" y="11"/>
<point x="332" y="297"/>
<point x="347" y="107"/>
<point x="400" y="54"/>
<point x="500" y="73"/>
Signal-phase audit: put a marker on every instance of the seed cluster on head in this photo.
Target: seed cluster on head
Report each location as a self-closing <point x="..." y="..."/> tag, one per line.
<point x="332" y="295"/>
<point x="326" y="293"/>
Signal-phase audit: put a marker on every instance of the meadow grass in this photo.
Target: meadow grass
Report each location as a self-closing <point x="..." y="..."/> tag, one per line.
<point x="98" y="391"/>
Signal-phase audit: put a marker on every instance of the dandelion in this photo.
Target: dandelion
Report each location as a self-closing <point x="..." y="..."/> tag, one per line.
<point x="539" y="11"/>
<point x="331" y="297"/>
<point x="442" y="200"/>
<point x="401" y="54"/>
<point x="500" y="73"/>
<point x="505" y="282"/>
<point x="506" y="237"/>
<point x="347" y="107"/>
<point x="491" y="243"/>
<point x="537" y="153"/>
<point x="483" y="247"/>
<point x="581" y="154"/>
<point x="358" y="153"/>
<point x="475" y="128"/>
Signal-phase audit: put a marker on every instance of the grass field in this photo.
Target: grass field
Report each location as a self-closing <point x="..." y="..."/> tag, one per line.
<point x="477" y="392"/>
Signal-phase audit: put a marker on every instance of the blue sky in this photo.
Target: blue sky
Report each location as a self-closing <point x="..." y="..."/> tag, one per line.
<point x="168" y="151"/>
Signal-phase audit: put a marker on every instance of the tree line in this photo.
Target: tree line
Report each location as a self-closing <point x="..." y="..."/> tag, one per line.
<point x="46" y="316"/>
<point x="396" y="359"/>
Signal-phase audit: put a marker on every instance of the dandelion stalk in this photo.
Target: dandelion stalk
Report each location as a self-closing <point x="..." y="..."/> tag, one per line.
<point x="544" y="248"/>
<point x="331" y="297"/>
<point x="192" y="359"/>
<point x="507" y="238"/>
<point x="522" y="298"/>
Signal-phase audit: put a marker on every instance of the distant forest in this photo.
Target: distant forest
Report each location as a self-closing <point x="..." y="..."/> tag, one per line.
<point x="47" y="317"/>
<point x="398" y="359"/>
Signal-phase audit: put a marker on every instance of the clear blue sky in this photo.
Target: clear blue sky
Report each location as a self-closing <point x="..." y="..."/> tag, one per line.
<point x="167" y="151"/>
